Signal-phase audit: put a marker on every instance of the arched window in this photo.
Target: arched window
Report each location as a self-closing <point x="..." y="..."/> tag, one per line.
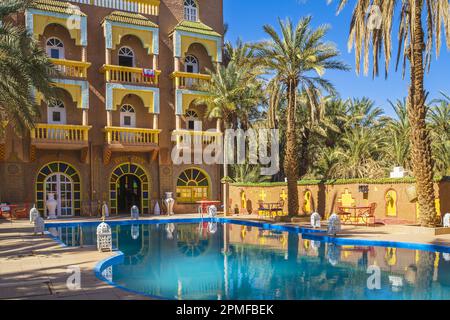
<point x="56" y="112"/>
<point x="55" y="48"/>
<point x="192" y="186"/>
<point x="191" y="64"/>
<point x="191" y="119"/>
<point x="190" y="10"/>
<point x="127" y="116"/>
<point x="126" y="57"/>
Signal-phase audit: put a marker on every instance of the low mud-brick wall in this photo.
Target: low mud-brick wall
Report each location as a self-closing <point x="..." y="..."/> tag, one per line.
<point x="395" y="198"/>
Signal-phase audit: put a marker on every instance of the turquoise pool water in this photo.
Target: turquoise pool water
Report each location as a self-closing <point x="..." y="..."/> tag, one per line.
<point x="226" y="261"/>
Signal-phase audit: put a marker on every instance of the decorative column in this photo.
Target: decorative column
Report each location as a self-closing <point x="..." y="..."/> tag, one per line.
<point x="155" y="121"/>
<point x="155" y="62"/>
<point x="219" y="125"/>
<point x="108" y="56"/>
<point x="83" y="54"/>
<point x="177" y="65"/>
<point x="109" y="118"/>
<point x="178" y="122"/>
<point x="85" y="117"/>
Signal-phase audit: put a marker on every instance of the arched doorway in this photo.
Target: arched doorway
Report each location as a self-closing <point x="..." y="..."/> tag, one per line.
<point x="63" y="181"/>
<point x="128" y="193"/>
<point x="129" y="185"/>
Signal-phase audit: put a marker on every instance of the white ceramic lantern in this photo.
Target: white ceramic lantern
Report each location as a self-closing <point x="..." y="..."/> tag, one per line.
<point x="104" y="237"/>
<point x="34" y="213"/>
<point x="315" y="220"/>
<point x="134" y="213"/>
<point x="447" y="220"/>
<point x="334" y="224"/>
<point x="157" y="209"/>
<point x="105" y="210"/>
<point x="39" y="225"/>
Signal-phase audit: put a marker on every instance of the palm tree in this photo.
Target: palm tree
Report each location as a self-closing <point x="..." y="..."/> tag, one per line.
<point x="365" y="32"/>
<point x="233" y="92"/>
<point x="397" y="132"/>
<point x="299" y="58"/>
<point x="247" y="173"/>
<point x="25" y="68"/>
<point x="439" y="122"/>
<point x="359" y="155"/>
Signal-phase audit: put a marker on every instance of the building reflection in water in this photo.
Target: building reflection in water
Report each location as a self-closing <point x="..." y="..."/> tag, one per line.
<point x="229" y="261"/>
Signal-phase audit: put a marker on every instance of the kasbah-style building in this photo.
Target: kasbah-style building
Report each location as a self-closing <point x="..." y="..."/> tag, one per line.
<point x="130" y="72"/>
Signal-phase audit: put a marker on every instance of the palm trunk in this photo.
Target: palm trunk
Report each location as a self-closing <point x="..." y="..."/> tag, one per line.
<point x="291" y="155"/>
<point x="304" y="159"/>
<point x="421" y="156"/>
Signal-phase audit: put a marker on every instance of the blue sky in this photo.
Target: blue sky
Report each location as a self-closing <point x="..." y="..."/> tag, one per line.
<point x="247" y="17"/>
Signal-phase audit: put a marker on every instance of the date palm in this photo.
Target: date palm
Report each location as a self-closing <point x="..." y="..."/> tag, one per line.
<point x="299" y="57"/>
<point x="233" y="94"/>
<point x="24" y="69"/>
<point x="370" y="32"/>
<point x="397" y="132"/>
<point x="439" y="122"/>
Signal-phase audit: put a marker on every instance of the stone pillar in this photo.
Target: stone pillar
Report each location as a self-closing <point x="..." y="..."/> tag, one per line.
<point x="85" y="121"/>
<point x="178" y="122"/>
<point x="108" y="56"/>
<point x="219" y="125"/>
<point x="83" y="54"/>
<point x="155" y="121"/>
<point x="177" y="65"/>
<point x="109" y="118"/>
<point x="155" y="62"/>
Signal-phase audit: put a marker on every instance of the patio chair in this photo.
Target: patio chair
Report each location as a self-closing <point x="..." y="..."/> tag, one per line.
<point x="345" y="216"/>
<point x="279" y="210"/>
<point x="368" y="214"/>
<point x="262" y="209"/>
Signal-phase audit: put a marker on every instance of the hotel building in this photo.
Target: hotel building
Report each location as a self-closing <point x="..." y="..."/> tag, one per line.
<point x="129" y="74"/>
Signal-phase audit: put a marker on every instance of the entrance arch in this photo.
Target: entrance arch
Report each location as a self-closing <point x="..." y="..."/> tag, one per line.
<point x="129" y="185"/>
<point x="63" y="180"/>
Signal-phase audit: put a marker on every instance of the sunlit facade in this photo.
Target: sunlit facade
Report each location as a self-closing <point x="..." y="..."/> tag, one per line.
<point x="129" y="75"/>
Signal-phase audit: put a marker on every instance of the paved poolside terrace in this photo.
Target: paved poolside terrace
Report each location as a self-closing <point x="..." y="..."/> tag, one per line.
<point x="35" y="267"/>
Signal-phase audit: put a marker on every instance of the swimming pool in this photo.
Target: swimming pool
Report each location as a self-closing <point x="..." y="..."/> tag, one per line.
<point x="230" y="260"/>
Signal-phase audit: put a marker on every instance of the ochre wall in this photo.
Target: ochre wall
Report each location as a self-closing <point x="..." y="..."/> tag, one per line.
<point x="325" y="198"/>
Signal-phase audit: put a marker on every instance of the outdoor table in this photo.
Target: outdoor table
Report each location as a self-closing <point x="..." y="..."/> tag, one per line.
<point x="354" y="213"/>
<point x="270" y="207"/>
<point x="205" y="204"/>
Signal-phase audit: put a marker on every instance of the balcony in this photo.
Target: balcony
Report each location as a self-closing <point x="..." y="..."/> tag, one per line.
<point x="127" y="75"/>
<point x="61" y="137"/>
<point x="71" y="69"/>
<point x="190" y="81"/>
<point x="204" y="138"/>
<point x="131" y="139"/>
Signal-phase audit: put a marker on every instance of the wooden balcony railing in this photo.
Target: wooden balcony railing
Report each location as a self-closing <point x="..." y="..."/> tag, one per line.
<point x="194" y="81"/>
<point x="193" y="137"/>
<point x="131" y="136"/>
<point x="129" y="75"/>
<point x="58" y="133"/>
<point x="70" y="68"/>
